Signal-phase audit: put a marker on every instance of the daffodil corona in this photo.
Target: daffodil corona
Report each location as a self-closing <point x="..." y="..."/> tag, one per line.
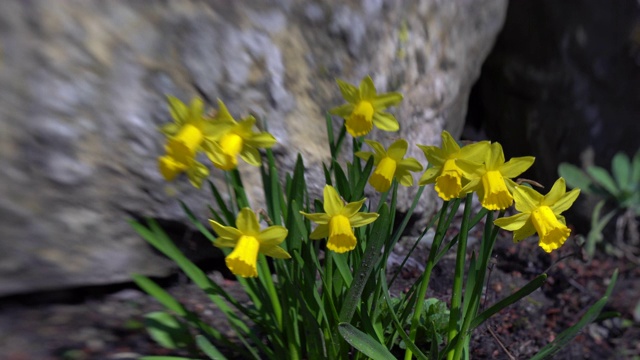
<point x="338" y="221"/>
<point x="364" y="108"/>
<point x="247" y="241"/>
<point x="390" y="164"/>
<point x="445" y="161"/>
<point x="541" y="214"/>
<point x="493" y="181"/>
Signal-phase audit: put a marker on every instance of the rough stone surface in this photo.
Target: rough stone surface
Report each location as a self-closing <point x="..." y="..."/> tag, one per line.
<point x="83" y="92"/>
<point x="562" y="83"/>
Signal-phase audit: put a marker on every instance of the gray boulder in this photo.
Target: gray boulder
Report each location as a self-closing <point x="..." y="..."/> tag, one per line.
<point x="83" y="93"/>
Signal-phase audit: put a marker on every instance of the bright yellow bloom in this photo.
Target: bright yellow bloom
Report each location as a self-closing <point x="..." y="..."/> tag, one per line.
<point x="247" y="240"/>
<point x="365" y="107"/>
<point x="237" y="138"/>
<point x="493" y="181"/>
<point x="338" y="221"/>
<point x="445" y="171"/>
<point x="541" y="214"/>
<point x="390" y="164"/>
<point x="185" y="138"/>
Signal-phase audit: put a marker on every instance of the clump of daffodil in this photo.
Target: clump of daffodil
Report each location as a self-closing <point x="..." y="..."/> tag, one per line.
<point x="365" y="107"/>
<point x="541" y="214"/>
<point x="185" y="138"/>
<point x="445" y="161"/>
<point x="493" y="181"/>
<point x="247" y="240"/>
<point x="236" y="138"/>
<point x="390" y="164"/>
<point x="338" y="221"/>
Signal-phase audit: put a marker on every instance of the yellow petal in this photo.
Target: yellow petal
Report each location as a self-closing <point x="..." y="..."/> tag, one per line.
<point x="276" y="252"/>
<point x="377" y="147"/>
<point x="367" y="88"/>
<point x="223" y="114"/>
<point x="435" y="156"/>
<point x="227" y="232"/>
<point x="526" y="198"/>
<point x="495" y="158"/>
<point x="352" y="208"/>
<point x="318" y="218"/>
<point x="512" y="223"/>
<point x="178" y="110"/>
<point x="262" y="140"/>
<point x="343" y="110"/>
<point x="404" y="178"/>
<point x="398" y="149"/>
<point x="558" y="189"/>
<point x="273" y="235"/>
<point x="169" y="167"/>
<point x="409" y="164"/>
<point x="449" y="144"/>
<point x="341" y="237"/>
<point x="361" y="219"/>
<point x="242" y="260"/>
<point x="333" y="204"/>
<point x="185" y="144"/>
<point x="349" y="92"/>
<point x="383" y="101"/>
<point x="475" y="152"/>
<point x="565" y="201"/>
<point x="429" y="176"/>
<point x="449" y="183"/>
<point x="247" y="222"/>
<point x="364" y="155"/>
<point x="196" y="173"/>
<point x="525" y="231"/>
<point x="321" y="232"/>
<point x="516" y="166"/>
<point x="385" y="121"/>
<point x="251" y="156"/>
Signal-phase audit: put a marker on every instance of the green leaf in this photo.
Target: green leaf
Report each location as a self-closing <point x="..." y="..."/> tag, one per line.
<point x="208" y="348"/>
<point x="524" y="291"/>
<point x="151" y="288"/>
<point x="167" y="331"/>
<point x="574" y="177"/>
<point x="602" y="178"/>
<point x="164" y="358"/>
<point x="566" y="336"/>
<point x="621" y="169"/>
<point x="364" y="343"/>
<point x="635" y="171"/>
<point x="342" y="184"/>
<point x="228" y="215"/>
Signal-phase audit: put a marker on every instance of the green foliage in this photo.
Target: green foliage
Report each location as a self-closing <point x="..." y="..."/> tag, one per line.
<point x="621" y="188"/>
<point x="167" y="331"/>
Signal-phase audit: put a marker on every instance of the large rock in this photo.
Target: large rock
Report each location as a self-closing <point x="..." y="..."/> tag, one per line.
<point x="83" y="92"/>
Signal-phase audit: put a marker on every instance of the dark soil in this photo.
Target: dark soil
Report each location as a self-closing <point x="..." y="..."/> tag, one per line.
<point x="109" y="325"/>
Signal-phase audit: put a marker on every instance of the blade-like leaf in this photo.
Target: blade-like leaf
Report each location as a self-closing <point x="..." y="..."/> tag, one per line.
<point x="364" y="343"/>
<point x="592" y="314"/>
<point x="621" y="170"/>
<point x="208" y="348"/>
<point x="602" y="178"/>
<point x="166" y="330"/>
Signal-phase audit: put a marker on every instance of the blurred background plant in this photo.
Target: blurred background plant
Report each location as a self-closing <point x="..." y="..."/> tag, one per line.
<point x="618" y="190"/>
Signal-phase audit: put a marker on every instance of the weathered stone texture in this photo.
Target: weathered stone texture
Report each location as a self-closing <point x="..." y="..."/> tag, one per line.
<point x="83" y="92"/>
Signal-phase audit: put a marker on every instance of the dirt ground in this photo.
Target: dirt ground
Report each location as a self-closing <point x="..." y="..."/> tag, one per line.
<point x="107" y="323"/>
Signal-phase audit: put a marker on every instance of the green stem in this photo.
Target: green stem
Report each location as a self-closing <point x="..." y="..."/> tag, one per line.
<point x="456" y="295"/>
<point x="271" y="290"/>
<point x="487" y="248"/>
<point x="424" y="283"/>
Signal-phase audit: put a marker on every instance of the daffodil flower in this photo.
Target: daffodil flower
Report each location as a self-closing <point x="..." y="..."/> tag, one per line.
<point x="365" y="107"/>
<point x="247" y="240"/>
<point x="338" y="221"/>
<point x="171" y="166"/>
<point x="237" y="139"/>
<point x="541" y="214"/>
<point x="493" y="181"/>
<point x="445" y="171"/>
<point x="390" y="164"/>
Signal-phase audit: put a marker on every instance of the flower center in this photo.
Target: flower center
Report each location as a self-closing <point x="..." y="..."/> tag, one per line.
<point x="383" y="175"/>
<point x="552" y="232"/>
<point x="496" y="195"/>
<point x="183" y="146"/>
<point x="360" y="122"/>
<point x="231" y="145"/>
<point x="449" y="183"/>
<point x="242" y="260"/>
<point x="341" y="238"/>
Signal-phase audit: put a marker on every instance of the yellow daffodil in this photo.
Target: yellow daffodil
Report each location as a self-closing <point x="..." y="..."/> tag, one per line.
<point x="338" y="221"/>
<point x="365" y="107"/>
<point x="445" y="171"/>
<point x="390" y="164"/>
<point x="171" y="166"/>
<point x="237" y="138"/>
<point x="541" y="214"/>
<point x="493" y="181"/>
<point x="247" y="240"/>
